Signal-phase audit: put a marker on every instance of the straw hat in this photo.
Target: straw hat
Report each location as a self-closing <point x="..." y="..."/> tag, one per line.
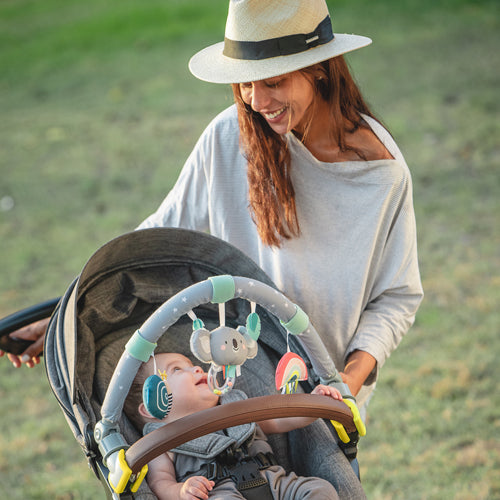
<point x="266" y="38"/>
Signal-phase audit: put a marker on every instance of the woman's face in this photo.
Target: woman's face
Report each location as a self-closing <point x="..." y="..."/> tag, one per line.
<point x="284" y="101"/>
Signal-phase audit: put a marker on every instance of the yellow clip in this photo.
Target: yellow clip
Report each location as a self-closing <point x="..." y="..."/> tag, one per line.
<point x="358" y="422"/>
<point x="356" y="417"/>
<point x="139" y="479"/>
<point x="343" y="436"/>
<point x="125" y="476"/>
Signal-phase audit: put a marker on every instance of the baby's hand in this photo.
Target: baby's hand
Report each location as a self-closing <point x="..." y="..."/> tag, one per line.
<point x="326" y="390"/>
<point x="196" y="487"/>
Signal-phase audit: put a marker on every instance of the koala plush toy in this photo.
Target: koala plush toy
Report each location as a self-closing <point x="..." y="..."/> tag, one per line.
<point x="223" y="346"/>
<point x="226" y="349"/>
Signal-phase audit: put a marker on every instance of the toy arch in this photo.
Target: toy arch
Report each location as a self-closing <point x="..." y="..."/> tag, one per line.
<point x="217" y="289"/>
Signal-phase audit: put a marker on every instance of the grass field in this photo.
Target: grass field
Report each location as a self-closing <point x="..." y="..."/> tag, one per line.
<point x="98" y="113"/>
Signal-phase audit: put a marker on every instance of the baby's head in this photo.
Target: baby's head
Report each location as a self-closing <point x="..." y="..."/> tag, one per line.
<point x="187" y="384"/>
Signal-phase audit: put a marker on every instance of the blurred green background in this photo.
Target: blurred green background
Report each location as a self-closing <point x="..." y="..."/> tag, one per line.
<point x="98" y="113"/>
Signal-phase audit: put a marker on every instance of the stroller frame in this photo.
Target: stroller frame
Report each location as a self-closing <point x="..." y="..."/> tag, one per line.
<point x="121" y="286"/>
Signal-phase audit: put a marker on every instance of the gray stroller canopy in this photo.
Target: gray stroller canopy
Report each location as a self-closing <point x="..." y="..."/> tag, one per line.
<point x="121" y="285"/>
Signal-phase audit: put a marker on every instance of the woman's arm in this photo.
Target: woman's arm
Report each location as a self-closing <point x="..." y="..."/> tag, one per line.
<point x="358" y="368"/>
<point x="394" y="298"/>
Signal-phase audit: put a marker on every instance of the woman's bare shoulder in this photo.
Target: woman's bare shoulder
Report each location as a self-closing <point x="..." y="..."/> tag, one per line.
<point x="365" y="140"/>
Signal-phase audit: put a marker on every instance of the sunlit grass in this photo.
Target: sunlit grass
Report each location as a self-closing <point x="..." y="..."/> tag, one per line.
<point x="99" y="113"/>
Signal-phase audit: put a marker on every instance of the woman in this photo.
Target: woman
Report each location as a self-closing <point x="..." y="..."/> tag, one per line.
<point x="300" y="176"/>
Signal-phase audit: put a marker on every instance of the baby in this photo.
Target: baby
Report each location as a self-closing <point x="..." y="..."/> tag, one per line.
<point x="183" y="473"/>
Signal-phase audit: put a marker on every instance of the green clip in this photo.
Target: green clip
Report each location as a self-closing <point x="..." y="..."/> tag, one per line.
<point x="140" y="348"/>
<point x="224" y="288"/>
<point x="197" y="324"/>
<point x="298" y="323"/>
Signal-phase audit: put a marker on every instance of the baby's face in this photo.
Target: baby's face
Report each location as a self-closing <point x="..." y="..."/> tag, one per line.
<point x="187" y="383"/>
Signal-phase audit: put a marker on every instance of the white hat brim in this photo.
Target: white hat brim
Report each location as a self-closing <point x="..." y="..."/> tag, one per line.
<point x="211" y="65"/>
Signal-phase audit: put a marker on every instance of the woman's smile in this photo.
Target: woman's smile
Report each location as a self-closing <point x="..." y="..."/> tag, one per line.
<point x="275" y="115"/>
<point x="283" y="101"/>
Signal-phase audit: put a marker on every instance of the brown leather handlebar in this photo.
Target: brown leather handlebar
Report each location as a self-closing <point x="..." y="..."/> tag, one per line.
<point x="240" y="412"/>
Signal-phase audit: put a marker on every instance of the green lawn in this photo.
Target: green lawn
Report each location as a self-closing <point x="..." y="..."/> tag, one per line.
<point x="98" y="113"/>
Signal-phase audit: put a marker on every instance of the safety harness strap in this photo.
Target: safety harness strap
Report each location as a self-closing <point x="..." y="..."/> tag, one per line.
<point x="261" y="491"/>
<point x="244" y="472"/>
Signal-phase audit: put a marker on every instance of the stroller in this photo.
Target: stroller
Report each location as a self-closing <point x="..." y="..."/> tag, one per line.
<point x="144" y="292"/>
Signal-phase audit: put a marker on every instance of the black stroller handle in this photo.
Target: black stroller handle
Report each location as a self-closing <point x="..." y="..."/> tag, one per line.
<point x="231" y="414"/>
<point x="22" y="318"/>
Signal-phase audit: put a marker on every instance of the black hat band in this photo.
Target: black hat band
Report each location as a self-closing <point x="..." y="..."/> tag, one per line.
<point x="281" y="46"/>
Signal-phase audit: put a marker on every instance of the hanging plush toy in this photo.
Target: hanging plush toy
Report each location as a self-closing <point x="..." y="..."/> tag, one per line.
<point x="290" y="370"/>
<point x="156" y="396"/>
<point x="226" y="349"/>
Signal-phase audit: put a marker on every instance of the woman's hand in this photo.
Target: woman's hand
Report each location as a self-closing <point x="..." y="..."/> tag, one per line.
<point x="34" y="332"/>
<point x="359" y="366"/>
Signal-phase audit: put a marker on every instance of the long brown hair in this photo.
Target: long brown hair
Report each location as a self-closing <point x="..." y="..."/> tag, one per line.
<point x="271" y="193"/>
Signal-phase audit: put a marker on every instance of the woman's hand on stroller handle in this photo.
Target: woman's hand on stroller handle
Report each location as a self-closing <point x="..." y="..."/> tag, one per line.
<point x="22" y="333"/>
<point x="27" y="344"/>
